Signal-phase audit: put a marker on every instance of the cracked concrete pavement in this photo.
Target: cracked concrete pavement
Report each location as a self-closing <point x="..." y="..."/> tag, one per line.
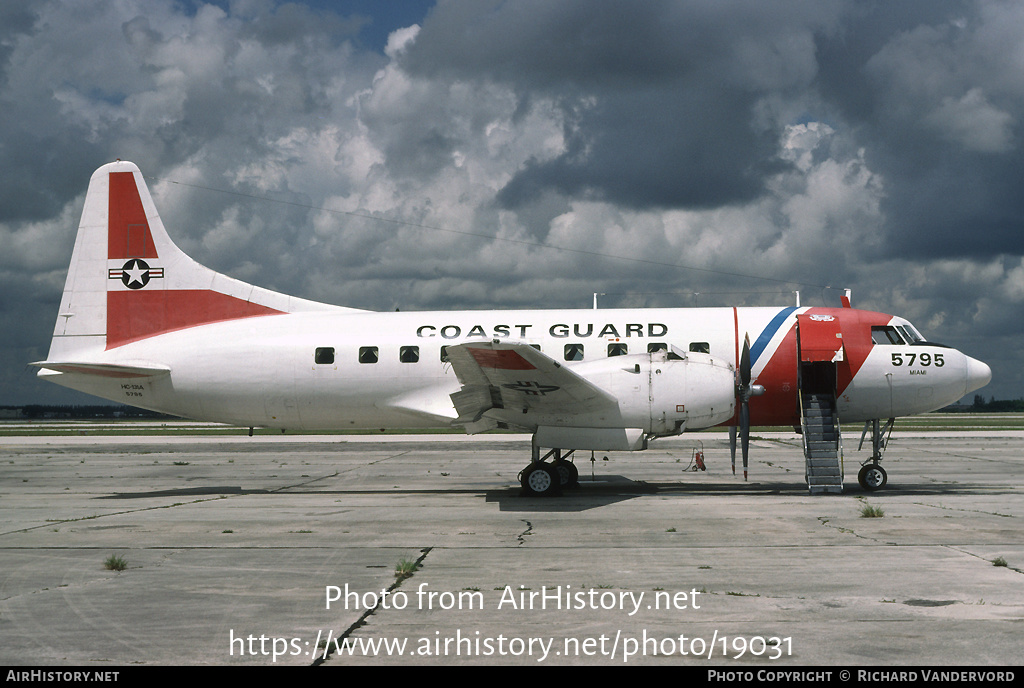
<point x="232" y="543"/>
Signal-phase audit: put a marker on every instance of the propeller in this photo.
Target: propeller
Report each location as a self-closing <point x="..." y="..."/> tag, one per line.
<point x="743" y="393"/>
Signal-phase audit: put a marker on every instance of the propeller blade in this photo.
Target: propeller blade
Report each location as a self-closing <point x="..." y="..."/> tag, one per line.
<point x="732" y="447"/>
<point x="743" y="391"/>
<point x="745" y="434"/>
<point x="745" y="366"/>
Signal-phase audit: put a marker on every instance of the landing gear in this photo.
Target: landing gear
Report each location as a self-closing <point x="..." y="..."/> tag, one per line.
<point x="872" y="476"/>
<point x="544" y="479"/>
<point x="541" y="480"/>
<point x="568" y="474"/>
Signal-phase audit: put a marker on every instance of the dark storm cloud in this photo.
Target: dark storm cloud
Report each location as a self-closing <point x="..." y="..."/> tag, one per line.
<point x="34" y="146"/>
<point x="294" y="23"/>
<point x="655" y="149"/>
<point x="934" y="92"/>
<point x="666" y="104"/>
<point x="683" y="104"/>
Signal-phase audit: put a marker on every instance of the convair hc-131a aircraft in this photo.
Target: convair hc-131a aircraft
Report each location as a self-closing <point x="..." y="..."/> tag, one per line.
<point x="142" y="323"/>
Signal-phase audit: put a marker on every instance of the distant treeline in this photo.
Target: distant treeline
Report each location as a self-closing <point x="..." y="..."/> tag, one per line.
<point x="996" y="405"/>
<point x="38" y="411"/>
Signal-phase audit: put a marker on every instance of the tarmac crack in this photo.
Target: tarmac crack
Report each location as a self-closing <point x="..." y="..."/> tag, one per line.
<point x="66" y="521"/>
<point x="332" y="645"/>
<point x="987" y="561"/>
<point x="335" y="474"/>
<point x="824" y="520"/>
<point x="967" y="511"/>
<point x="970" y="457"/>
<point x="305" y="483"/>
<point x="521" y="538"/>
<point x="220" y="492"/>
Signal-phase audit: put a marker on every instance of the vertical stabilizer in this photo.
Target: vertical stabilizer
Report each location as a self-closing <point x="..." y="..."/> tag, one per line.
<point x="128" y="281"/>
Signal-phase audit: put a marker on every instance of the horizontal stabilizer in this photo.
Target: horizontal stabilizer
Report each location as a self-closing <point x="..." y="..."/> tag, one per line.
<point x="110" y="370"/>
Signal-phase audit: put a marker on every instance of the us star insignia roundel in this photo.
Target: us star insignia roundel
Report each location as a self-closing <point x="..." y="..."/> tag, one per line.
<point x="136" y="273"/>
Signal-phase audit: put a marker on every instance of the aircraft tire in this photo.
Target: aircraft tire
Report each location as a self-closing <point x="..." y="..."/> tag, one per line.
<point x="568" y="474"/>
<point x="872" y="477"/>
<point x="541" y="480"/>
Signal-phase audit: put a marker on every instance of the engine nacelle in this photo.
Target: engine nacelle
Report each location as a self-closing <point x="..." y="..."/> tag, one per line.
<point x="659" y="394"/>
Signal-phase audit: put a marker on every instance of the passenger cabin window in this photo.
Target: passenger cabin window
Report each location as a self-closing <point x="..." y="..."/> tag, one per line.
<point x="617" y="349"/>
<point x="700" y="347"/>
<point x="444" y="354"/>
<point x="535" y="346"/>
<point x="409" y="354"/>
<point x="368" y="354"/>
<point x="657" y="346"/>
<point x="886" y="335"/>
<point x="574" y="352"/>
<point x="324" y="355"/>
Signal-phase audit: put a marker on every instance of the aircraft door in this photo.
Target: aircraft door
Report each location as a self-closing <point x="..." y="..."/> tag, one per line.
<point x="821" y="338"/>
<point x="820" y="342"/>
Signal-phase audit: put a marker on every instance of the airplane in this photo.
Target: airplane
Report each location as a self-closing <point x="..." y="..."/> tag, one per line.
<point x="142" y="323"/>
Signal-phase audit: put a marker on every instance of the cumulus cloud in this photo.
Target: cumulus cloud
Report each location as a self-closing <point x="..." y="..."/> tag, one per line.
<point x="973" y="122"/>
<point x="661" y="104"/>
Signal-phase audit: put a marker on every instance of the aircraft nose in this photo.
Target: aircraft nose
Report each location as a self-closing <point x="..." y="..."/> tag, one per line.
<point x="978" y="375"/>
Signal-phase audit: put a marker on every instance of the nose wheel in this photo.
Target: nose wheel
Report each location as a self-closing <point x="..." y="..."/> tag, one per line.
<point x="872" y="477"/>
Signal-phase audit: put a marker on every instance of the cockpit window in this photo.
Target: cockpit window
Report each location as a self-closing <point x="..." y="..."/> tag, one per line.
<point x="886" y="335"/>
<point x="910" y="334"/>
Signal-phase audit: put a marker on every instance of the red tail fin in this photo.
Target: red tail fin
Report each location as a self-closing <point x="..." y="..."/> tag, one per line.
<point x="128" y="281"/>
<point x="142" y="299"/>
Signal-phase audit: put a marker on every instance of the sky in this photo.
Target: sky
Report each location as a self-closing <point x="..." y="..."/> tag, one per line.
<point x="478" y="154"/>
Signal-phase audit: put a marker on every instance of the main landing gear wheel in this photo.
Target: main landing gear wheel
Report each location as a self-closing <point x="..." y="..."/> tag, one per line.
<point x="568" y="474"/>
<point x="872" y="477"/>
<point x="541" y="480"/>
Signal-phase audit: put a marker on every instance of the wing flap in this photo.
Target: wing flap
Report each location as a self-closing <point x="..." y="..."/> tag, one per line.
<point x="509" y="382"/>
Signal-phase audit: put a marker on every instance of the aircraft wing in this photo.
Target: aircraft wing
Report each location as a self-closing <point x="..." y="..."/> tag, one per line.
<point x="513" y="380"/>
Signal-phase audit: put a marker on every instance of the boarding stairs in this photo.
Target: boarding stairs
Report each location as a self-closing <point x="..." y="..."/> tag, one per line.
<point x="823" y="446"/>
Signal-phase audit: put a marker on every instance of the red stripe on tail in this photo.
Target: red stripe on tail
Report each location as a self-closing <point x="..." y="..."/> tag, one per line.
<point x="134" y="315"/>
<point x="128" y="234"/>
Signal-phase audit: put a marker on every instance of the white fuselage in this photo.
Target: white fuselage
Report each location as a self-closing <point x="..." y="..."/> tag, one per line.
<point x="385" y="370"/>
